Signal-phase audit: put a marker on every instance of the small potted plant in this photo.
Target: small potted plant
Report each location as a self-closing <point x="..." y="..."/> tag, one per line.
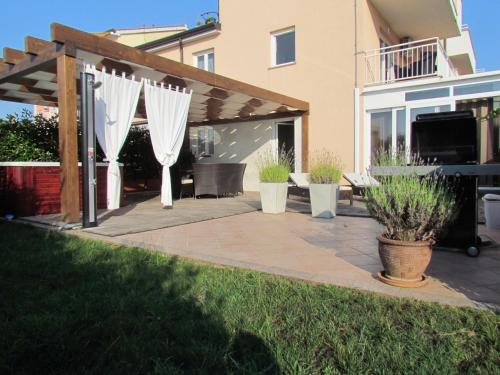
<point x="324" y="176"/>
<point x="274" y="169"/>
<point x="414" y="210"/>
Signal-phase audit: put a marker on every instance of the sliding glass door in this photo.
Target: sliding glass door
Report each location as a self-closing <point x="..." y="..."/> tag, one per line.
<point x="381" y="132"/>
<point x="387" y="131"/>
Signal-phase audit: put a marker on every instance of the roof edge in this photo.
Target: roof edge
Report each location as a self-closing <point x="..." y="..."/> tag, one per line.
<point x="182" y="35"/>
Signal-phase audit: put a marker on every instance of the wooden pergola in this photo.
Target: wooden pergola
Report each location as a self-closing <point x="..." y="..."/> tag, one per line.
<point x="47" y="73"/>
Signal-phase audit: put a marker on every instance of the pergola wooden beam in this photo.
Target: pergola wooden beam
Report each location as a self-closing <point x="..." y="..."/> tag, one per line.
<point x="116" y="51"/>
<point x="3" y="66"/>
<point x="38" y="101"/>
<point x="115" y="65"/>
<point x="31" y="95"/>
<point x="30" y="64"/>
<point x="12" y="56"/>
<point x="35" y="46"/>
<point x="305" y="141"/>
<point x="174" y="81"/>
<point x="246" y="119"/>
<point x="36" y="90"/>
<point x="68" y="141"/>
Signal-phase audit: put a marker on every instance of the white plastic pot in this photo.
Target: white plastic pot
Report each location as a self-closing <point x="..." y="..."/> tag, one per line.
<point x="492" y="210"/>
<point x="273" y="197"/>
<point x="324" y="200"/>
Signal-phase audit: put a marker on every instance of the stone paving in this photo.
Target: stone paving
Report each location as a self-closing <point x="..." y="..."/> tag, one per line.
<point x="145" y="213"/>
<point x="342" y="251"/>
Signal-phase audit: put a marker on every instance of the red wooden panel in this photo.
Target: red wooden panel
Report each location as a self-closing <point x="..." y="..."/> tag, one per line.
<point x="27" y="191"/>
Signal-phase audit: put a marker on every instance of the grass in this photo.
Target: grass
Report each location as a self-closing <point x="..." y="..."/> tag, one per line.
<point x="274" y="168"/>
<point x="73" y="306"/>
<point x="326" y="168"/>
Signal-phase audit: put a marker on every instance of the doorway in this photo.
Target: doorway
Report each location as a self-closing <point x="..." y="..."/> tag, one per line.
<point x="286" y="140"/>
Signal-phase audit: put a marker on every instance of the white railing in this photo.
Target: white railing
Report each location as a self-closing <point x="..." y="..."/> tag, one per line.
<point x="418" y="59"/>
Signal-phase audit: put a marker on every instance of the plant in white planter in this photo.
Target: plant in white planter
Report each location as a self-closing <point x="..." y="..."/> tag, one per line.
<point x="273" y="174"/>
<point x="414" y="210"/>
<point x="324" y="176"/>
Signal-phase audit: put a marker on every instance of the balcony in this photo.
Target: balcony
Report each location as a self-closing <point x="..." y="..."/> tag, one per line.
<point x="421" y="19"/>
<point x="461" y="52"/>
<point x="413" y="60"/>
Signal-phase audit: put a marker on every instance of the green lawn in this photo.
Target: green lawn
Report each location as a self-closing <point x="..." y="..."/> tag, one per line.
<point x="69" y="306"/>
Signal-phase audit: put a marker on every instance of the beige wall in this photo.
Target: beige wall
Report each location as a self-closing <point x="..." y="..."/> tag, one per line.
<point x="324" y="73"/>
<point x="242" y="143"/>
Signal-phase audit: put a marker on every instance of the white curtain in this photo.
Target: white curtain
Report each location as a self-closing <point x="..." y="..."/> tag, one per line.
<point x="115" y="106"/>
<point x="167" y="111"/>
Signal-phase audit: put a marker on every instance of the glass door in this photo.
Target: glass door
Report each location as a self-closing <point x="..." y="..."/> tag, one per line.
<point x="387" y="132"/>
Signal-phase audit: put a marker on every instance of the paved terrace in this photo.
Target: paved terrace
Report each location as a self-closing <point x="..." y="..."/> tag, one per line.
<point x="342" y="251"/>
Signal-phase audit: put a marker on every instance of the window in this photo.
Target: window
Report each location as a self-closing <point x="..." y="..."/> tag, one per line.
<point x="419" y="111"/>
<point x="283" y="47"/>
<point x="401" y="130"/>
<point x="427" y="94"/>
<point x="388" y="132"/>
<point x="381" y="132"/>
<point x="202" y="141"/>
<point x="205" y="60"/>
<point x="476" y="88"/>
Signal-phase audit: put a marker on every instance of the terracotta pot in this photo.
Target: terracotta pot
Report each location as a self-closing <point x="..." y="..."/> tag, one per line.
<point x="404" y="261"/>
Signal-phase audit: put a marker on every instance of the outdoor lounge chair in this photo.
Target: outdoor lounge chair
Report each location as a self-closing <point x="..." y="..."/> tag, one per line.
<point x="360" y="182"/>
<point x="300" y="186"/>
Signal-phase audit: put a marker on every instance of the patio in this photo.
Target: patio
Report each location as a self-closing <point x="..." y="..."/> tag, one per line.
<point x="342" y="251"/>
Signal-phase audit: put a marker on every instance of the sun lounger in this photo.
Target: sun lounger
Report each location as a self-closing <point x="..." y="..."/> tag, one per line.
<point x="360" y="182"/>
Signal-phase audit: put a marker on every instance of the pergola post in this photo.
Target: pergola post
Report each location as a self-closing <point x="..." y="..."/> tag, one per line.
<point x="68" y="141"/>
<point x="305" y="141"/>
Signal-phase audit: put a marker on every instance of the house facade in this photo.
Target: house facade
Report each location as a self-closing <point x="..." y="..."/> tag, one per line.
<point x="337" y="55"/>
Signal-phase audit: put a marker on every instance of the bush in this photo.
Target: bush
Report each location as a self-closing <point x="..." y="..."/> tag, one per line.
<point x="412" y="208"/>
<point x="274" y="168"/>
<point x="393" y="158"/>
<point x="29" y="138"/>
<point x="326" y="168"/>
<point x="137" y="155"/>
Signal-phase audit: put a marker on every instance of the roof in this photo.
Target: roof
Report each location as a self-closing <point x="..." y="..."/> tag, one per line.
<point x="32" y="76"/>
<point x="195" y="31"/>
<point x="168" y="27"/>
<point x="144" y="29"/>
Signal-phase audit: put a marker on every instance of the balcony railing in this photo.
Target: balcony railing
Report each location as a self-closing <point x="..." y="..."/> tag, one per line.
<point x="418" y="59"/>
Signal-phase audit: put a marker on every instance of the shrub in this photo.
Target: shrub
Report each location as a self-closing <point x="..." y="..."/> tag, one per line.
<point x="137" y="155"/>
<point x="326" y="168"/>
<point x="390" y="158"/>
<point x="411" y="207"/>
<point x="273" y="167"/>
<point x="28" y="138"/>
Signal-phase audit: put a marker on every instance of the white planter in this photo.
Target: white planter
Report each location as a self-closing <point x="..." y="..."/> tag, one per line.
<point x="324" y="200"/>
<point x="273" y="197"/>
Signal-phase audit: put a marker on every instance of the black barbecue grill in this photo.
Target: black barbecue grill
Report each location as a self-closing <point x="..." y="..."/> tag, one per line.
<point x="449" y="142"/>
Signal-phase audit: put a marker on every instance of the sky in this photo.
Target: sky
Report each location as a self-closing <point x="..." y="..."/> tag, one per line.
<point x="33" y="17"/>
